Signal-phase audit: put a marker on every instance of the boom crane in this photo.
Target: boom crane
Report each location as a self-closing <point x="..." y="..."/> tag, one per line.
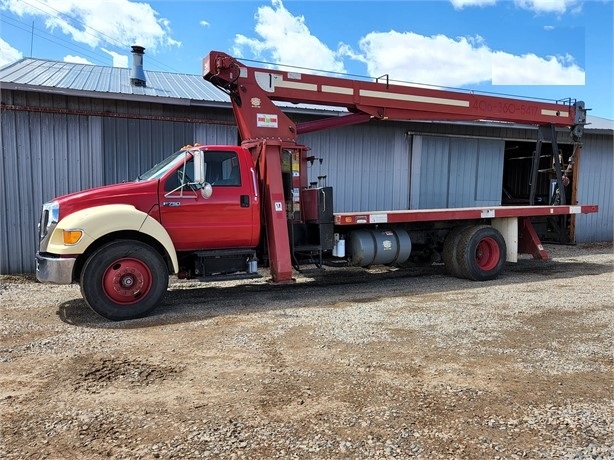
<point x="211" y="212"/>
<point x="267" y="131"/>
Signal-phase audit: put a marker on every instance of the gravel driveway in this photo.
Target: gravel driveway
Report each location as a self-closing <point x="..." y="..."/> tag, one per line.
<point x="352" y="364"/>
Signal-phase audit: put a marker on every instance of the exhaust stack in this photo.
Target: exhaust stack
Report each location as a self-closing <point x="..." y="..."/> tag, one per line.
<point x="137" y="77"/>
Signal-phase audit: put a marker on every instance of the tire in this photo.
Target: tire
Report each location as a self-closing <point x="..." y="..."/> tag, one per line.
<point x="124" y="280"/>
<point x="481" y="253"/>
<point x="450" y="251"/>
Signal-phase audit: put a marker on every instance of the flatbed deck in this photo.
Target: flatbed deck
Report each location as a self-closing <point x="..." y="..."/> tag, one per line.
<point x="429" y="215"/>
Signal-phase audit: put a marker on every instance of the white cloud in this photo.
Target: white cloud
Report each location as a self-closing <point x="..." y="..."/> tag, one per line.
<point x="8" y="54"/>
<point x="530" y="69"/>
<point x="460" y="4"/>
<point x="463" y="61"/>
<point x="547" y="6"/>
<point x="285" y="38"/>
<point x="539" y="6"/>
<point x="76" y="59"/>
<point x="119" y="23"/>
<point x="204" y="23"/>
<point x="119" y="60"/>
<point x="436" y="60"/>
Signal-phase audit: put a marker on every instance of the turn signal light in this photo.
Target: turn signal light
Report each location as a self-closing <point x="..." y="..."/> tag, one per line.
<point x="72" y="236"/>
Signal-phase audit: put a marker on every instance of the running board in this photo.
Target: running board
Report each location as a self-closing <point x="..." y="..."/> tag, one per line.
<point x="228" y="277"/>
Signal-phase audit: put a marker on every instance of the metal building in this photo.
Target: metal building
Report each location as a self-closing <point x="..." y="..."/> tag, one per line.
<point x="66" y="127"/>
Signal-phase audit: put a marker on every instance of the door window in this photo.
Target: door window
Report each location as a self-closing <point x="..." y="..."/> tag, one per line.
<point x="222" y="169"/>
<point x="182" y="179"/>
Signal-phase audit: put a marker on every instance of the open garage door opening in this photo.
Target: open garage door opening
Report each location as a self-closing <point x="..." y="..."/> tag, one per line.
<point x="518" y="161"/>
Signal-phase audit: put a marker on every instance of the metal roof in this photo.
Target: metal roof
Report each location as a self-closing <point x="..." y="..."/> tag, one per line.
<point x="76" y="79"/>
<point x="31" y="74"/>
<point x="599" y="124"/>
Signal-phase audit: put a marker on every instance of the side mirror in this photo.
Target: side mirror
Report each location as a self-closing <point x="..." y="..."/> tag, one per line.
<point x="206" y="190"/>
<point x="199" y="166"/>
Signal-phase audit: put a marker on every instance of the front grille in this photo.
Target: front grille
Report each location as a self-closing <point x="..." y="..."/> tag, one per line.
<point x="49" y="219"/>
<point x="42" y="226"/>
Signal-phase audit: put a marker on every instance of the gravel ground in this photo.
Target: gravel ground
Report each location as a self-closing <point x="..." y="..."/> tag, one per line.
<point x="352" y="364"/>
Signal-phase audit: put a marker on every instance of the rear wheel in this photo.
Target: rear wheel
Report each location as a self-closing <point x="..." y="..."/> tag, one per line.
<point x="450" y="251"/>
<point x="124" y="280"/>
<point x="481" y="253"/>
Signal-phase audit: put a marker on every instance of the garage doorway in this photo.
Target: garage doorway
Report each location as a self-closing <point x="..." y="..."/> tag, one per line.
<point x="517" y="164"/>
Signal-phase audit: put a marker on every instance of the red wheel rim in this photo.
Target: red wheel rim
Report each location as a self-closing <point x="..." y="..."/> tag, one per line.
<point x="126" y="281"/>
<point x="487" y="254"/>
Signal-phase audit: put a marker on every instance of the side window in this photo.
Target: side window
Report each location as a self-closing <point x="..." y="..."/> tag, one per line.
<point x="222" y="168"/>
<point x="231" y="171"/>
<point x="180" y="177"/>
<point x="213" y="168"/>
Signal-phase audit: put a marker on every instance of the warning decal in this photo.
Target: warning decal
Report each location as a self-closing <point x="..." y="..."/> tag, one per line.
<point x="265" y="120"/>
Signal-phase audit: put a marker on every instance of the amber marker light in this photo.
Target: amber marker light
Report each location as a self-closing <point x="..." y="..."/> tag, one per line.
<point x="72" y="236"/>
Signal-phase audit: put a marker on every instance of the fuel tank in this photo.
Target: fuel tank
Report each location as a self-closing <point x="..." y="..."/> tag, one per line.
<point x="375" y="247"/>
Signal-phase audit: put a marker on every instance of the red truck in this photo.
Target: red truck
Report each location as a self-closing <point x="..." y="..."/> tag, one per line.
<point x="215" y="212"/>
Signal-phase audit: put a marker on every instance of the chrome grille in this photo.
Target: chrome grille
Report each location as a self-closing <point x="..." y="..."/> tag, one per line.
<point x="42" y="225"/>
<point x="49" y="219"/>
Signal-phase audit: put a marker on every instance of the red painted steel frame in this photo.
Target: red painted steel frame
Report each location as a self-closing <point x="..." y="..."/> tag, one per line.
<point x="430" y="215"/>
<point x="268" y="154"/>
<point x="529" y="242"/>
<point x="382" y="100"/>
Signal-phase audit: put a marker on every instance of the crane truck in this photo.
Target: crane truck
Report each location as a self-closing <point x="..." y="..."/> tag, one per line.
<point x="215" y="212"/>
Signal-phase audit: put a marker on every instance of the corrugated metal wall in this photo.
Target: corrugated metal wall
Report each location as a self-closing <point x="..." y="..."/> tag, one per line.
<point x="43" y="155"/>
<point x="596" y="186"/>
<point x="133" y="146"/>
<point x="449" y="172"/>
<point x="368" y="165"/>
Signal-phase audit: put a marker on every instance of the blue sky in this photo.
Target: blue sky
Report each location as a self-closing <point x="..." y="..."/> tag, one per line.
<point x="551" y="49"/>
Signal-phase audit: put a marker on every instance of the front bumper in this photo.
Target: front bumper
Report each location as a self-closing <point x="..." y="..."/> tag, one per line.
<point x="54" y="269"/>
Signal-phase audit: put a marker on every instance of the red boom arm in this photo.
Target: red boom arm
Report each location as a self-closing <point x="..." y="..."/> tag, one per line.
<point x="253" y="91"/>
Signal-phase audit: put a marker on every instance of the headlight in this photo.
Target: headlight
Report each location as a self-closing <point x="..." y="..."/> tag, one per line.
<point x="49" y="218"/>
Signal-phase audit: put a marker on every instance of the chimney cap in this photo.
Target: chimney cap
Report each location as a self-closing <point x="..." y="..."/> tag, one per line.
<point x="138" y="49"/>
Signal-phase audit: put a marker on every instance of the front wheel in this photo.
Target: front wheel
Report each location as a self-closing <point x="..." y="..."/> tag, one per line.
<point x="481" y="253"/>
<point x="124" y="280"/>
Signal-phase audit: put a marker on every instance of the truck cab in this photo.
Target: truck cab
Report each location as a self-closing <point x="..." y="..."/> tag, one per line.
<point x="227" y="216"/>
<point x="195" y="214"/>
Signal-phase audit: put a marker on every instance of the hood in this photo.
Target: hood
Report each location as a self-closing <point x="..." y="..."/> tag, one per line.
<point x="142" y="195"/>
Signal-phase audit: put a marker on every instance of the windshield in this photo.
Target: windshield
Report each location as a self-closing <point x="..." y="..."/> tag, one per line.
<point x="164" y="166"/>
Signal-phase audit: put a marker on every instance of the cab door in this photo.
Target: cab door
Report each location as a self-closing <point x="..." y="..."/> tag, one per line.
<point x="227" y="219"/>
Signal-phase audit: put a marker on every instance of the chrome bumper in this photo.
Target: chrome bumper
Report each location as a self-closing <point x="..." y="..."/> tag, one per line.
<point x="54" y="269"/>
